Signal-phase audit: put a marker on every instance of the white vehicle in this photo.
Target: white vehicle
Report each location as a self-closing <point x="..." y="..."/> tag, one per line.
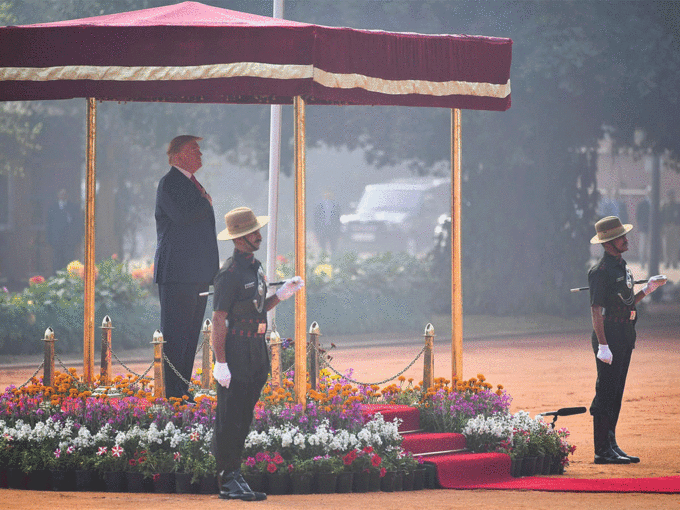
<point x="396" y="216"/>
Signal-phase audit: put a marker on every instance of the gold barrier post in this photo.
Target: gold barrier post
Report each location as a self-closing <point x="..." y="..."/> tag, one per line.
<point x="158" y="378"/>
<point x="428" y="358"/>
<point x="314" y="334"/>
<point x="275" y="346"/>
<point x="48" y="362"/>
<point x="206" y="361"/>
<point x="300" y="254"/>
<point x="456" y="280"/>
<point x="105" y="369"/>
<point x="90" y="190"/>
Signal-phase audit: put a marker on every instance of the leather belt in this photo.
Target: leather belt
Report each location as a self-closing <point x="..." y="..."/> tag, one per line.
<point x="249" y="328"/>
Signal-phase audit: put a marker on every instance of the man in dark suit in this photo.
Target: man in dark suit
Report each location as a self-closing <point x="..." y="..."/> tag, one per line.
<point x="64" y="230"/>
<point x="186" y="259"/>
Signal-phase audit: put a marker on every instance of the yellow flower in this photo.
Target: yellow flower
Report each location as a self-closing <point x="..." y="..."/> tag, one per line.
<point x="324" y="270"/>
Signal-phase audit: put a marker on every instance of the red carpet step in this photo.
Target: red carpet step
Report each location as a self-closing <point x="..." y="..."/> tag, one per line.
<point x="464" y="470"/>
<point x="423" y="442"/>
<point x="410" y="416"/>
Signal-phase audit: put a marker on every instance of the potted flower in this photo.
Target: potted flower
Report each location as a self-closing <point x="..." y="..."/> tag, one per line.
<point x="302" y="474"/>
<point x="327" y="468"/>
<point x="278" y="477"/>
<point x="111" y="464"/>
<point x="160" y="465"/>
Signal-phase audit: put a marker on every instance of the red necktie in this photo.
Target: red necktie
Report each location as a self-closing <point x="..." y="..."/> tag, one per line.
<point x="193" y="179"/>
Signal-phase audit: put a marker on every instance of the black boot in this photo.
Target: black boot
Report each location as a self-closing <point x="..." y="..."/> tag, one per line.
<point x="604" y="454"/>
<point x="619" y="451"/>
<point x="233" y="486"/>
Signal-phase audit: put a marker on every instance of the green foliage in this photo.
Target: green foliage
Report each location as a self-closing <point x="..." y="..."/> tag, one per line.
<point x="58" y="303"/>
<point x="385" y="292"/>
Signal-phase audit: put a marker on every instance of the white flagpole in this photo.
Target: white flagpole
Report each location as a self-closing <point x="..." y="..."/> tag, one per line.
<point x="274" y="171"/>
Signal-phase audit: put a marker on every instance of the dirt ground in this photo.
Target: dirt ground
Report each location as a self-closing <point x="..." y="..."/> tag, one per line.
<point x="541" y="372"/>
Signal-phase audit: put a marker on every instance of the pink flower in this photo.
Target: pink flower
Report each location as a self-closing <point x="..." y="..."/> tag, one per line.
<point x="278" y="459"/>
<point x="117" y="451"/>
<point x="102" y="450"/>
<point x="260" y="456"/>
<point x="57" y="453"/>
<point x="194" y="436"/>
<point x="271" y="467"/>
<point x="176" y="456"/>
<point x="250" y="462"/>
<point x="70" y="449"/>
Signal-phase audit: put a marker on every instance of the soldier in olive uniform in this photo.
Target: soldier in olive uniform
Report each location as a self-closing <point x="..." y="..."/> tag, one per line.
<point x="612" y="303"/>
<point x="240" y="307"/>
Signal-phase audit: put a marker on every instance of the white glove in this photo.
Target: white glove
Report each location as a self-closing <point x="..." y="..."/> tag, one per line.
<point x="289" y="288"/>
<point x="654" y="283"/>
<point x="604" y="354"/>
<point x="222" y="374"/>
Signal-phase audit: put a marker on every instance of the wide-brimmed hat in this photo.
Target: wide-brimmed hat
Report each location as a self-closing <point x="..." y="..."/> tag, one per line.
<point x="241" y="221"/>
<point x="608" y="229"/>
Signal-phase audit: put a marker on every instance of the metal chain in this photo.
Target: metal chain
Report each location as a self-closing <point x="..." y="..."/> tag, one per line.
<point x="188" y="383"/>
<point x="66" y="369"/>
<point x="328" y="365"/>
<point x="113" y="353"/>
<point x="34" y="374"/>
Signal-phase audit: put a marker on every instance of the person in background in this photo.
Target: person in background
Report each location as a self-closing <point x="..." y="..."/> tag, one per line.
<point x="64" y="230"/>
<point x="613" y="312"/>
<point x="186" y="260"/>
<point x="327" y="223"/>
<point x="642" y="219"/>
<point x="241" y="353"/>
<point x="670" y="217"/>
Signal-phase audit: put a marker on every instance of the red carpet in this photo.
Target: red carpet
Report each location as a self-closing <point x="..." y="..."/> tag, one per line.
<point x="661" y="485"/>
<point x="492" y="470"/>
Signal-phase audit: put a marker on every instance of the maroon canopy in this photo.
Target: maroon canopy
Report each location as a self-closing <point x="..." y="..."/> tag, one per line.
<point x="190" y="52"/>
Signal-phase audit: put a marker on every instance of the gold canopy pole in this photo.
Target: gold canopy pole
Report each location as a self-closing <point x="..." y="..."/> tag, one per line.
<point x="300" y="254"/>
<point x="90" y="187"/>
<point x="456" y="283"/>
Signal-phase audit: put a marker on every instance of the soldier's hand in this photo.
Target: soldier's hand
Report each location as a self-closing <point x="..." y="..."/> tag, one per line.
<point x="654" y="283"/>
<point x="604" y="354"/>
<point x="222" y="374"/>
<point x="290" y="287"/>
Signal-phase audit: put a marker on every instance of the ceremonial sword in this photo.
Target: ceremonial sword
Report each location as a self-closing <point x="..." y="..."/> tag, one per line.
<point x="578" y="289"/>
<point x="273" y="284"/>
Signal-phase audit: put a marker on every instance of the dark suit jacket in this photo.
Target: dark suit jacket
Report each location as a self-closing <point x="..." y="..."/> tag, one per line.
<point x="186" y="249"/>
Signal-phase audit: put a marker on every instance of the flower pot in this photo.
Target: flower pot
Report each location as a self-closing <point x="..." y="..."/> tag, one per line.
<point x="84" y="480"/>
<point x="164" y="483"/>
<point x="3" y="479"/>
<point x="387" y="481"/>
<point x="547" y="464"/>
<point x="63" y="480"/>
<point x="114" y="481"/>
<point x="278" y="483"/>
<point x="326" y="483"/>
<point x="407" y="481"/>
<point x="361" y="481"/>
<point x="135" y="481"/>
<point x="539" y="464"/>
<point x="399" y="481"/>
<point x="374" y="481"/>
<point x="419" y="479"/>
<point x="345" y="481"/>
<point x="301" y="483"/>
<point x="528" y="466"/>
<point x="255" y="481"/>
<point x="39" y="480"/>
<point x="208" y="485"/>
<point x="557" y="468"/>
<point x="183" y="483"/>
<point x="516" y="467"/>
<point x="17" y="479"/>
